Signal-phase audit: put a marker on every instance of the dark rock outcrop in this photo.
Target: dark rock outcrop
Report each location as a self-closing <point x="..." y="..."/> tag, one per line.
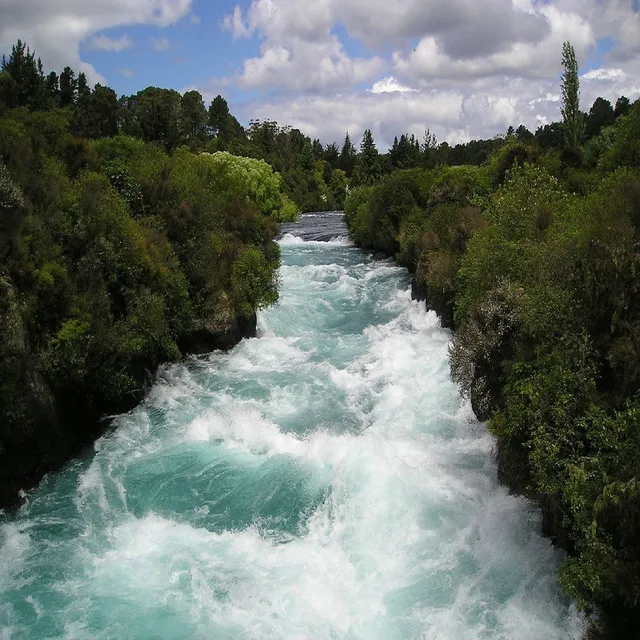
<point x="53" y="428"/>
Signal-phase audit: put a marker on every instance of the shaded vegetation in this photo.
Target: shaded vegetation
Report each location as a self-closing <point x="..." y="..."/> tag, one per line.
<point x="117" y="253"/>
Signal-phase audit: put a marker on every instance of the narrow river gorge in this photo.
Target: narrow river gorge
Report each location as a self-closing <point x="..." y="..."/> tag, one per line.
<point x="322" y="480"/>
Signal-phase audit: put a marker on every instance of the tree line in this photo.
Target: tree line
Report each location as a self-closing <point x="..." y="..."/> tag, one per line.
<point x="121" y="248"/>
<point x="532" y="257"/>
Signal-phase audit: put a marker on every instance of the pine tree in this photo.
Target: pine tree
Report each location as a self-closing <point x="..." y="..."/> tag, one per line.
<point x="368" y="160"/>
<point x="347" y="160"/>
<point x="26" y="87"/>
<point x="68" y="86"/>
<point x="623" y="104"/>
<point x="193" y="116"/>
<point x="572" y="120"/>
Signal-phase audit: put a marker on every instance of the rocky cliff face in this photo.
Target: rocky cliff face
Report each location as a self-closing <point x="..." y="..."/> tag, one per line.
<point x="46" y="430"/>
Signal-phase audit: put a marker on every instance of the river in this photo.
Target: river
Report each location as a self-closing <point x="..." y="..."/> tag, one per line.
<point x="323" y="480"/>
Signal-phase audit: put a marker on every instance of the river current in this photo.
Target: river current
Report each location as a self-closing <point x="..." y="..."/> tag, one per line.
<point x="323" y="480"/>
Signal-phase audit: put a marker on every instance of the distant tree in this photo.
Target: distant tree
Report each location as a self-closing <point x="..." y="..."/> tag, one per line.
<point x="623" y="104"/>
<point x="347" y="160"/>
<point x="307" y="158"/>
<point x="368" y="160"/>
<point x="572" y="119"/>
<point x="218" y="114"/>
<point x="220" y="121"/>
<point x="318" y="150"/>
<point x="97" y="116"/>
<point x="429" y="150"/>
<point x="405" y="153"/>
<point x="83" y="90"/>
<point x="338" y="187"/>
<point x="154" y="116"/>
<point x="600" y="115"/>
<point x="193" y="116"/>
<point x="68" y="87"/>
<point x="26" y="87"/>
<point x="523" y="134"/>
<point x="52" y="90"/>
<point x="331" y="155"/>
<point x="550" y="135"/>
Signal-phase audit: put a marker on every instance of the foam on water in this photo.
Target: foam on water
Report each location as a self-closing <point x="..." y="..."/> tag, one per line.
<point x="323" y="480"/>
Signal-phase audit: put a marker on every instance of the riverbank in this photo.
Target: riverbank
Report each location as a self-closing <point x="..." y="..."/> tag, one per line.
<point x="323" y="479"/>
<point x="536" y="282"/>
<point x="62" y="427"/>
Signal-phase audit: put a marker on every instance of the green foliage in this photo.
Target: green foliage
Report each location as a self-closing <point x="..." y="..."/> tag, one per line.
<point x="625" y="150"/>
<point x="10" y="195"/>
<point x="114" y="253"/>
<point x="253" y="281"/>
<point x="547" y="348"/>
<point x="572" y="118"/>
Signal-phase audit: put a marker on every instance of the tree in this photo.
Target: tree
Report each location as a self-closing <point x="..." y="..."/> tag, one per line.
<point x="368" y="160"/>
<point x="220" y="121"/>
<point x="83" y="89"/>
<point x="338" y="187"/>
<point x="523" y="134"/>
<point x="622" y="107"/>
<point x="307" y="159"/>
<point x="572" y="119"/>
<point x="600" y="115"/>
<point x="97" y="116"/>
<point x="429" y="150"/>
<point x="156" y="113"/>
<point x="550" y="135"/>
<point x="331" y="155"/>
<point x="52" y="90"/>
<point x="318" y="150"/>
<point x="347" y="160"/>
<point x="27" y="85"/>
<point x="193" y="115"/>
<point x="68" y="87"/>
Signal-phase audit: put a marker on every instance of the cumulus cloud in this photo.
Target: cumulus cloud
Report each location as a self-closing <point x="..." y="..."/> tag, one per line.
<point x="390" y="85"/>
<point x="481" y="109"/>
<point x="430" y="62"/>
<point x="236" y="25"/>
<point x="160" y="45"/>
<point x="307" y="66"/>
<point x="298" y="52"/>
<point x="56" y="29"/>
<point x="386" y="114"/>
<point x="462" y="68"/>
<point x="111" y="44"/>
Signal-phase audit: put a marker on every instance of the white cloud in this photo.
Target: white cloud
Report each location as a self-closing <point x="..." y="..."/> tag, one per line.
<point x="481" y="109"/>
<point x="431" y="64"/>
<point x="127" y="73"/>
<point x="485" y="65"/>
<point x="55" y="29"/>
<point x="390" y="85"/>
<point x="195" y="19"/>
<point x="161" y="45"/>
<point x="236" y="25"/>
<point x="604" y="74"/>
<point x="307" y="66"/>
<point x="111" y="44"/>
<point x="387" y="114"/>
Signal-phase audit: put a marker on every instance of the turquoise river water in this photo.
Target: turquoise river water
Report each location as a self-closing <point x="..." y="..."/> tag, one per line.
<point x="323" y="480"/>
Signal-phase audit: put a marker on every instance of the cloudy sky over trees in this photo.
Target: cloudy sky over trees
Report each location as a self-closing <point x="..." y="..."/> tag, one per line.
<point x="462" y="68"/>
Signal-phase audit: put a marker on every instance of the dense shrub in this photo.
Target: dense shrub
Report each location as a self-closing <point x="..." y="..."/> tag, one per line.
<point x="112" y="255"/>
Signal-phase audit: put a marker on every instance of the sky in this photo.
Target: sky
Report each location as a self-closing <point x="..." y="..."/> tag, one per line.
<point x="464" y="69"/>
